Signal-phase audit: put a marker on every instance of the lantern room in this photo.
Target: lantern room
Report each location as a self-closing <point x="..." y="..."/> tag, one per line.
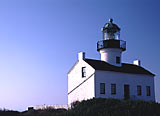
<point x="111" y="31"/>
<point x="111" y="37"/>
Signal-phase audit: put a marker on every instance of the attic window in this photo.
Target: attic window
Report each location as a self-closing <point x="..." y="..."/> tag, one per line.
<point x="118" y="60"/>
<point x="83" y="72"/>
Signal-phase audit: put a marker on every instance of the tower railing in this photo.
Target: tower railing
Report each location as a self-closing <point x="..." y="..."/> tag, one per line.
<point x="112" y="43"/>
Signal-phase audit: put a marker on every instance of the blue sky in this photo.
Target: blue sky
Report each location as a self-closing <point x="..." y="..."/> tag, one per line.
<point x="40" y="39"/>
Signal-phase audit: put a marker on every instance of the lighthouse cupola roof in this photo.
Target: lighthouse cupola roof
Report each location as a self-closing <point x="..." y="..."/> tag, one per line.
<point x="111" y="27"/>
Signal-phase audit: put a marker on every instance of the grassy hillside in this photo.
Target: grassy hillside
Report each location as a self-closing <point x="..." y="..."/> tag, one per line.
<point x="98" y="107"/>
<point x="114" y="107"/>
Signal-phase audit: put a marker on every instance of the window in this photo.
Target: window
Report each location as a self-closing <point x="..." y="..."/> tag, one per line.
<point x="118" y="60"/>
<point x="83" y="72"/>
<point x="102" y="88"/>
<point x="139" y="90"/>
<point x="113" y="89"/>
<point x="148" y="90"/>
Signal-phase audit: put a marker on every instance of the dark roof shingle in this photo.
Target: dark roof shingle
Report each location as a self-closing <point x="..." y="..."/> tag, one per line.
<point x="125" y="68"/>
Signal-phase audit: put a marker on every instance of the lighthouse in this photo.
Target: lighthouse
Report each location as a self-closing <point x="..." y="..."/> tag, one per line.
<point x="111" y="47"/>
<point x="109" y="77"/>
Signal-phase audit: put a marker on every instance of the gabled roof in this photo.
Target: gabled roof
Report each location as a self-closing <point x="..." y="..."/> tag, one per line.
<point x="125" y="68"/>
<point x="73" y="67"/>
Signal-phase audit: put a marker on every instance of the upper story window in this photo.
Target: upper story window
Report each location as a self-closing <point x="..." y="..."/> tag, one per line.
<point x="148" y="90"/>
<point x="139" y="90"/>
<point x="113" y="89"/>
<point x="83" y="72"/>
<point x="102" y="88"/>
<point x="118" y="60"/>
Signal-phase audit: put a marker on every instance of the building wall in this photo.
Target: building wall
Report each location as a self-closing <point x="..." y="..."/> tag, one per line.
<point x="86" y="89"/>
<point x="120" y="79"/>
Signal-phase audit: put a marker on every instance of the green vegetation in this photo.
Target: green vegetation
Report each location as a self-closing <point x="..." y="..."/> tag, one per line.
<point x="114" y="107"/>
<point x="98" y="107"/>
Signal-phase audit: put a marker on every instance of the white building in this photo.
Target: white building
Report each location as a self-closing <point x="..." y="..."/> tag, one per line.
<point x="109" y="77"/>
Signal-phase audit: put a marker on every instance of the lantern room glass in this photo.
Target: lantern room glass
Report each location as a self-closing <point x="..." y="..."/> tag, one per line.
<point x="112" y="35"/>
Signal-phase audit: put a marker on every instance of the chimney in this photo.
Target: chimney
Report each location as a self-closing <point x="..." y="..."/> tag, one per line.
<point x="137" y="62"/>
<point x="81" y="56"/>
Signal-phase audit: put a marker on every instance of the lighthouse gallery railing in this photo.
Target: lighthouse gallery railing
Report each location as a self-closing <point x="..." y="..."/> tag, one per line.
<point x="111" y="44"/>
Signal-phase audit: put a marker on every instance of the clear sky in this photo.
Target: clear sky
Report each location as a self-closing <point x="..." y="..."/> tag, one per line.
<point x="40" y="39"/>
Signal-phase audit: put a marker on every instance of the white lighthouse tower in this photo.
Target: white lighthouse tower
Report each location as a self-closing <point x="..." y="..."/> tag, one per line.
<point x="111" y="47"/>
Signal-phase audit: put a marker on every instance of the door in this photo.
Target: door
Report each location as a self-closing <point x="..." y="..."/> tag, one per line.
<point x="126" y="92"/>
